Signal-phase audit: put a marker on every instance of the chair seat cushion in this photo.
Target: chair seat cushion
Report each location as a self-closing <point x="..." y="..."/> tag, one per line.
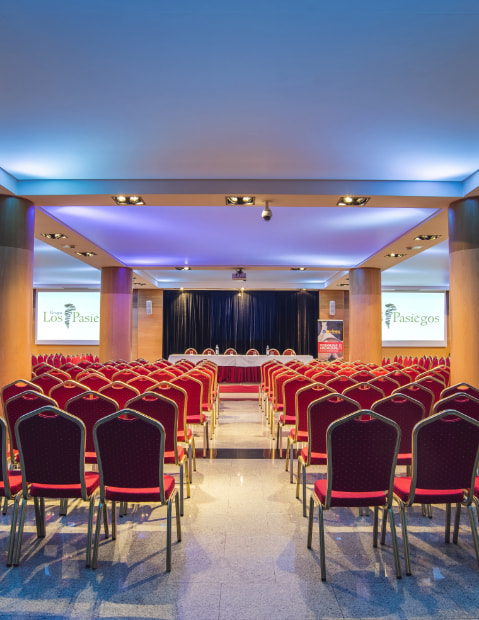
<point x="287" y="420"/>
<point x="317" y="458"/>
<point x="200" y="418"/>
<point x="15" y="481"/>
<point x="170" y="455"/>
<point x="302" y="436"/>
<point x="404" y="458"/>
<point x="124" y="494"/>
<point x="73" y="491"/>
<point x="278" y="407"/>
<point x="426" y="496"/>
<point x="349" y="500"/>
<point x="180" y="436"/>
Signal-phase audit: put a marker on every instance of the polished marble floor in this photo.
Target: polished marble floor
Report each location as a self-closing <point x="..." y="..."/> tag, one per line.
<point x="243" y="553"/>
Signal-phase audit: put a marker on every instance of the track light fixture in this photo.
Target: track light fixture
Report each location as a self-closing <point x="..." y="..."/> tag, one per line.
<point x="267" y="214"/>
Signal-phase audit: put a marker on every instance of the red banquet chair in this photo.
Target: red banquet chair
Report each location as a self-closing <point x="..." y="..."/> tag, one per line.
<point x="120" y="392"/>
<point x="119" y="439"/>
<point x="386" y="384"/>
<point x="435" y="384"/>
<point x="46" y="382"/>
<point x="418" y="392"/>
<point x="90" y="407"/>
<point x="10" y="487"/>
<point x="92" y="380"/>
<point x="288" y="352"/>
<point x="361" y="454"/>
<point x="252" y="352"/>
<point x="66" y="390"/>
<point x="16" y="387"/>
<point x="320" y="414"/>
<point x="124" y="375"/>
<point x="465" y="388"/>
<point x="365" y="394"/>
<point x="339" y="384"/>
<point x="142" y="383"/>
<point x="208" y="351"/>
<point x="288" y="418"/>
<point x="230" y="351"/>
<point x="445" y="454"/>
<point x="465" y="403"/>
<point x="191" y="351"/>
<point x="165" y="411"/>
<point x="277" y="400"/>
<point x="194" y="413"/>
<point x="51" y="445"/>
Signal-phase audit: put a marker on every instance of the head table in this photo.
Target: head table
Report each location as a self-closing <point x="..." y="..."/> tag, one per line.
<point x="239" y="368"/>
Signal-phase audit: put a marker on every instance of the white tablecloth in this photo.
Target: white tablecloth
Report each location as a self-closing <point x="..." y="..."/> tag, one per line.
<point x="240" y="361"/>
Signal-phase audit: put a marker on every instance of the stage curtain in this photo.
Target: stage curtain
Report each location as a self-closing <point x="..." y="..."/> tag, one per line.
<point x="201" y="319"/>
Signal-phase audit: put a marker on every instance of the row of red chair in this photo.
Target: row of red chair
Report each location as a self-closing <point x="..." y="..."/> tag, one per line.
<point x="232" y="351"/>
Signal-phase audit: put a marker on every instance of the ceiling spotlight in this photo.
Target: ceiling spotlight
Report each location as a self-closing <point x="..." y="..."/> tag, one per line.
<point x="352" y="201"/>
<point x="394" y="255"/>
<point x="426" y="237"/>
<point x="298" y="268"/>
<point x="86" y="253"/>
<point x="414" y="247"/>
<point x="128" y="200"/>
<point x="266" y="214"/>
<point x="54" y="235"/>
<point x="185" y="268"/>
<point x="239" y="200"/>
<point x="343" y="284"/>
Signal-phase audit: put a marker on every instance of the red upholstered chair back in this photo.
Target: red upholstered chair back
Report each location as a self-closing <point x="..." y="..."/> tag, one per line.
<point x="125" y="375"/>
<point x="108" y="370"/>
<point x="39" y="369"/>
<point x="141" y="370"/>
<point x="445" y="451"/>
<point x="162" y="374"/>
<point x="17" y="387"/>
<point x="465" y="388"/>
<point x="19" y="405"/>
<point x="365" y="394"/>
<point x="459" y="402"/>
<point x="176" y="394"/>
<point x="230" y="351"/>
<point x="362" y="376"/>
<point x="208" y="351"/>
<point x="412" y="372"/>
<point x="51" y="443"/>
<point x="305" y="396"/>
<point x="66" y="390"/>
<point x="93" y="381"/>
<point x="418" y="392"/>
<point x="207" y="382"/>
<point x="401" y="377"/>
<point x="119" y="439"/>
<point x="90" y="407"/>
<point x="273" y="352"/>
<point x="194" y="390"/>
<point x="152" y="366"/>
<point x="435" y="384"/>
<point x="386" y="384"/>
<point x="185" y="365"/>
<point x="176" y="370"/>
<point x="279" y="381"/>
<point x="362" y="449"/>
<point x="322" y="376"/>
<point x="339" y="384"/>
<point x="441" y="372"/>
<point x="321" y="413"/>
<point x="290" y="388"/>
<point x="46" y="381"/>
<point x="252" y="352"/>
<point x="405" y="411"/>
<point x="120" y="392"/>
<point x="191" y="351"/>
<point x="289" y="352"/>
<point x="74" y="371"/>
<point x="60" y="374"/>
<point x="161" y="409"/>
<point x="142" y="383"/>
<point x="269" y="376"/>
<point x="263" y="369"/>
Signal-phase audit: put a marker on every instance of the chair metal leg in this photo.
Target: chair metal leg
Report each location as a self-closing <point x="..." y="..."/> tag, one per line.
<point x="321" y="543"/>
<point x="96" y="542"/>
<point x="457" y="521"/>
<point x="375" y="526"/>
<point x="447" y="533"/>
<point x="181" y="488"/>
<point x="310" y="522"/>
<point x="286" y="458"/>
<point x="190" y="463"/>
<point x="168" y="534"/>
<point x="291" y="451"/>
<point x="193" y="450"/>
<point x="178" y="520"/>
<point x="13" y="529"/>
<point x="188" y="477"/>
<point x="63" y="507"/>
<point x="113" y="520"/>
<point x="90" y="531"/>
<point x="18" y="545"/>
<point x="5" y="505"/>
<point x="407" y="559"/>
<point x="384" y="523"/>
<point x="395" y="542"/>
<point x="105" y="520"/>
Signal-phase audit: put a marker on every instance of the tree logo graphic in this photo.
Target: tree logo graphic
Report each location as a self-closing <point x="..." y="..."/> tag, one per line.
<point x="69" y="308"/>
<point x="390" y="308"/>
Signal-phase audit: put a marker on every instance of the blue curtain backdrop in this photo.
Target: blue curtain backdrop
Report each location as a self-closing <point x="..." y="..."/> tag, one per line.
<point x="201" y="319"/>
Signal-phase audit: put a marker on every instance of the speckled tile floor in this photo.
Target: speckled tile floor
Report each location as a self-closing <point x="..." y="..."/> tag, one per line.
<point x="243" y="554"/>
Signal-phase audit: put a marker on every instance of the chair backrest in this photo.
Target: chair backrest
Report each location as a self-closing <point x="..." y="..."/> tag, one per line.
<point x="252" y="352"/>
<point x="90" y="407"/>
<point x="177" y="370"/>
<point x="364" y="393"/>
<point x="66" y="390"/>
<point x="290" y="388"/>
<point x="289" y="352"/>
<point x="161" y="374"/>
<point x="305" y="396"/>
<point x="465" y="403"/>
<point x="194" y="389"/>
<point x="321" y="413"/>
<point x="142" y="383"/>
<point x="19" y="405"/>
<point x="386" y="384"/>
<point x="263" y="370"/>
<point x="465" y="388"/>
<point x="119" y="439"/>
<point x="435" y="384"/>
<point x="120" y="392"/>
<point x="39" y="369"/>
<point x="208" y="351"/>
<point x="46" y="381"/>
<point x="6" y="492"/>
<point x="51" y="445"/>
<point x="279" y="381"/>
<point x="321" y="376"/>
<point x="207" y="381"/>
<point x="191" y="351"/>
<point x="401" y="377"/>
<point x="362" y="376"/>
<point x="178" y="395"/>
<point x="405" y="411"/>
<point x="339" y="384"/>
<point x="16" y="387"/>
<point x="109" y="370"/>
<point x="163" y="410"/>
<point x="125" y="375"/>
<point x="445" y="449"/>
<point x="270" y="374"/>
<point x="273" y="352"/>
<point x="93" y="381"/>
<point x="418" y="392"/>
<point x="362" y="451"/>
<point x="230" y="351"/>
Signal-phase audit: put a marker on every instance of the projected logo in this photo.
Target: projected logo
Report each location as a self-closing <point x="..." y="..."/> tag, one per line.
<point x="393" y="315"/>
<point x="390" y="308"/>
<point x="69" y="310"/>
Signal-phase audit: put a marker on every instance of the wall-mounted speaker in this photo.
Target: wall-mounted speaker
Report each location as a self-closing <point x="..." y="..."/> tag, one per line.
<point x="332" y="308"/>
<point x="149" y="306"/>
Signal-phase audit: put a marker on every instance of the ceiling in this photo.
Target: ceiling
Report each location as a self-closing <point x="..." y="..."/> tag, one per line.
<point x="184" y="103"/>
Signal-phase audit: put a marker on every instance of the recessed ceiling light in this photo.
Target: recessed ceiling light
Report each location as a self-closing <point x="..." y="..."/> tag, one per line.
<point x="70" y="247"/>
<point x="394" y="255"/>
<point x="54" y="236"/>
<point x="185" y="268"/>
<point x="343" y="284"/>
<point x="86" y="253"/>
<point x="239" y="200"/>
<point x="426" y="237"/>
<point x="139" y="283"/>
<point x="298" y="268"/>
<point x="352" y="201"/>
<point x="128" y="200"/>
<point x="414" y="247"/>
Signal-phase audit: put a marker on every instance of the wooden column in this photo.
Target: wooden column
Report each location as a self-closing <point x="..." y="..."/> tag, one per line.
<point x="464" y="289"/>
<point x="17" y="218"/>
<point x="115" y="313"/>
<point x="365" y="315"/>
